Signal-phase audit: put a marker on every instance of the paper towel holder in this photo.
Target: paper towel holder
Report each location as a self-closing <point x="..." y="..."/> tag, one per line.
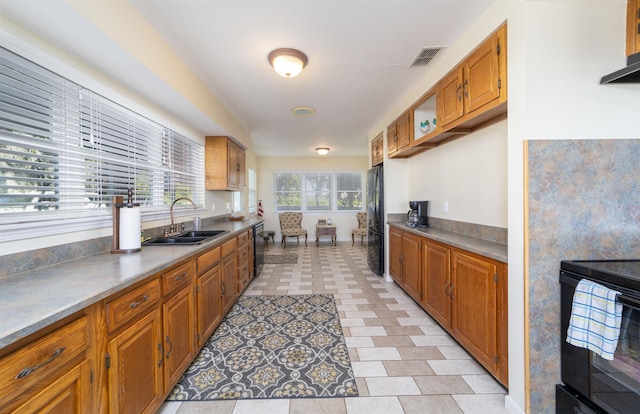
<point x="117" y="202"/>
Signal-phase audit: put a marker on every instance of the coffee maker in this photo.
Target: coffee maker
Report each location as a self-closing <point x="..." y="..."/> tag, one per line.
<point x="417" y="216"/>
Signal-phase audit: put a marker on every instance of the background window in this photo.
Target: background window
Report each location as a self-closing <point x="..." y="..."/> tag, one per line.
<point x="65" y="151"/>
<point x="318" y="191"/>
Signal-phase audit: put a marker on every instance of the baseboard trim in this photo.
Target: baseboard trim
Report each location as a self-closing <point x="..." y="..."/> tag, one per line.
<point x="511" y="406"/>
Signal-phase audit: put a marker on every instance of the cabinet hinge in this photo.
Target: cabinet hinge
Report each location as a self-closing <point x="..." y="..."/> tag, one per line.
<point x="495" y="277"/>
<point x="498" y="49"/>
<point x="499" y="83"/>
<point x="107" y="360"/>
<point x="91" y="376"/>
<point x="197" y="289"/>
<point x="496" y="359"/>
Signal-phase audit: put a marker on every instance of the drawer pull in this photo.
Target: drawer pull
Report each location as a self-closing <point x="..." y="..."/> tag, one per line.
<point x="182" y="276"/>
<point x="136" y="304"/>
<point x="29" y="370"/>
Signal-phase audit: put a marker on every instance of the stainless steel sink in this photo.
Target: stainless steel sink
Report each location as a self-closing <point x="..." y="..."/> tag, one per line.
<point x="202" y="233"/>
<point x="187" y="238"/>
<point x="168" y="241"/>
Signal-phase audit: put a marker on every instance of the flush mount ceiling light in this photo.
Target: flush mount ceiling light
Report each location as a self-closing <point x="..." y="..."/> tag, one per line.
<point x="303" y="111"/>
<point x="288" y="62"/>
<point x="322" y="150"/>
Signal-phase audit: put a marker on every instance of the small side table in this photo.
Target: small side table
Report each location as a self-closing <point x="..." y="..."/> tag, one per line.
<point x="266" y="235"/>
<point x="326" y="230"/>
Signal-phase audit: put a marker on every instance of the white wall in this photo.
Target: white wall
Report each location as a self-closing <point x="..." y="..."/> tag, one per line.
<point x="345" y="221"/>
<point x="470" y="174"/>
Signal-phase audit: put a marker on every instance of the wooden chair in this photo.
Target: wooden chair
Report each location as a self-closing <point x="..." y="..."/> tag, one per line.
<point x="361" y="230"/>
<point x="291" y="226"/>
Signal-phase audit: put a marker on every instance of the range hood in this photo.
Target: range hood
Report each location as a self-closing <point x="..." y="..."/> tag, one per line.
<point x="629" y="74"/>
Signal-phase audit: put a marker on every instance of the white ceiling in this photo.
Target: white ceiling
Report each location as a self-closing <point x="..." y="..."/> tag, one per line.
<point x="359" y="54"/>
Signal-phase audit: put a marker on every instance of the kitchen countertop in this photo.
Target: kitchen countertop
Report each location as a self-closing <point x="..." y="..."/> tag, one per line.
<point x="485" y="248"/>
<point x="32" y="300"/>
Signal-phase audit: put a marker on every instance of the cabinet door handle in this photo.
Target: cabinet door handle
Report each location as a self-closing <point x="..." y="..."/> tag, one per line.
<point x="446" y="287"/>
<point x="451" y="292"/>
<point x="402" y="258"/>
<point x="161" y="354"/>
<point x="458" y="89"/>
<point x="28" y="370"/>
<point x="223" y="290"/>
<point x="140" y="302"/>
<point x="170" y="346"/>
<point x="238" y="167"/>
<point x="466" y="92"/>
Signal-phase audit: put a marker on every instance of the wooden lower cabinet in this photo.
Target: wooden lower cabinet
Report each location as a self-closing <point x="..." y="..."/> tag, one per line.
<point x="135" y="363"/>
<point x="473" y="299"/>
<point x="436" y="281"/>
<point x="404" y="261"/>
<point x="411" y="266"/>
<point x="71" y="393"/>
<point x="178" y="316"/>
<point x="395" y="254"/>
<point x="51" y="373"/>
<point x="209" y="306"/>
<point x="228" y="293"/>
<point x="464" y="292"/>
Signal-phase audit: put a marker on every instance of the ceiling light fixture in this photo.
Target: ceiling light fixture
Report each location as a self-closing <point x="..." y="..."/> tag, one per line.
<point x="322" y="150"/>
<point x="288" y="62"/>
<point x="303" y="111"/>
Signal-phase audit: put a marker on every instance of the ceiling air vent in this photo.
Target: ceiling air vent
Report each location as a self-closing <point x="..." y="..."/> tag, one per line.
<point x="425" y="56"/>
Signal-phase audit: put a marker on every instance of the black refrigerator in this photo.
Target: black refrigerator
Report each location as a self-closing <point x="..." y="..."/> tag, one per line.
<point x="375" y="220"/>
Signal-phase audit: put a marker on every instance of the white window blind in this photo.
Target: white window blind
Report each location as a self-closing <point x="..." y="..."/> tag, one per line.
<point x="65" y="151"/>
<point x="319" y="191"/>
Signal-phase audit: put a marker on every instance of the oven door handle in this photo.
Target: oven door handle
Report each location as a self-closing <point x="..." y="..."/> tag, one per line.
<point x="629" y="301"/>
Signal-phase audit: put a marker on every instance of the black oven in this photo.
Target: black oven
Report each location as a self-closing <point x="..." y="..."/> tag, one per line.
<point x="590" y="383"/>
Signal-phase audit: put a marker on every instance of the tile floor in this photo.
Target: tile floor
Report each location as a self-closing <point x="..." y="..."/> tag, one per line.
<point x="403" y="361"/>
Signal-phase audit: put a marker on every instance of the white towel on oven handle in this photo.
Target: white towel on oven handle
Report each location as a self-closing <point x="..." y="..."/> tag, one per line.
<point x="595" y="319"/>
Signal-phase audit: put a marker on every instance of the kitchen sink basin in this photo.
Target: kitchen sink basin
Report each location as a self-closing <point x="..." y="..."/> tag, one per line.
<point x="201" y="233"/>
<point x="168" y="241"/>
<point x="187" y="238"/>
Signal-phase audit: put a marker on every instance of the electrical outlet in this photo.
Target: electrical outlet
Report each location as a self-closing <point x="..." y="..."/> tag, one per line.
<point x="445" y="207"/>
<point x="213" y="207"/>
<point x="228" y="206"/>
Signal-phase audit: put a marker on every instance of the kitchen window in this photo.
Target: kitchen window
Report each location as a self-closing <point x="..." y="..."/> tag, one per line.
<point x="65" y="151"/>
<point x="318" y="191"/>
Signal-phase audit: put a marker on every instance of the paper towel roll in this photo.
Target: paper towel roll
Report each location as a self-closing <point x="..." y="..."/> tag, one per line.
<point x="129" y="228"/>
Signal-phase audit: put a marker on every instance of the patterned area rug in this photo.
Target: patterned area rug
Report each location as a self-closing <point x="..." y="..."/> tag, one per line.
<point x="272" y="347"/>
<point x="288" y="258"/>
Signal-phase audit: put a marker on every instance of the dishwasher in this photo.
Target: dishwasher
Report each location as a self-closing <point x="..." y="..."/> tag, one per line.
<point x="258" y="249"/>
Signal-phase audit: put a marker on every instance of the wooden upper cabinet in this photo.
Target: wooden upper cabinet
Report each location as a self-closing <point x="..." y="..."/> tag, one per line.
<point x="482" y="81"/>
<point x="376" y="151"/>
<point x="633" y="27"/>
<point x="450" y="96"/>
<point x="224" y="164"/>
<point x="399" y="133"/>
<point x="476" y="86"/>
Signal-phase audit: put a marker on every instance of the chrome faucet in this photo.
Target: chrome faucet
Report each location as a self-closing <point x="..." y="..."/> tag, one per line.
<point x="174" y="230"/>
